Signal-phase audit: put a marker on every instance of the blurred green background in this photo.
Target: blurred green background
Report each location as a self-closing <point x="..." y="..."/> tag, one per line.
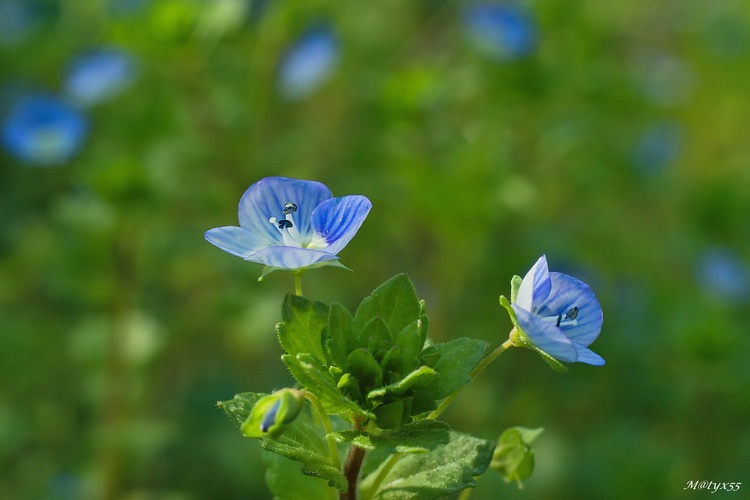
<point x="610" y="136"/>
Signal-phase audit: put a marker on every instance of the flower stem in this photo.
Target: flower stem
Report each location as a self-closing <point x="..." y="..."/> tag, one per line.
<point x="298" y="284"/>
<point x="476" y="371"/>
<point x="323" y="416"/>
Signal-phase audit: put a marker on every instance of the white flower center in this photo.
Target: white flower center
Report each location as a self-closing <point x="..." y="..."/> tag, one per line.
<point x="290" y="234"/>
<point x="569" y="319"/>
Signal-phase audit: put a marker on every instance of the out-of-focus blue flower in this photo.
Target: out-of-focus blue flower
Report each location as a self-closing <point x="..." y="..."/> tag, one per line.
<point x="43" y="130"/>
<point x="500" y="31"/>
<point x="17" y="20"/>
<point x="97" y="76"/>
<point x="308" y="63"/>
<point x="659" y="146"/>
<point x="558" y="314"/>
<point x="725" y="274"/>
<point x="291" y="224"/>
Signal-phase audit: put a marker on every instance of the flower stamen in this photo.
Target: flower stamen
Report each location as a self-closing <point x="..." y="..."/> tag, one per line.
<point x="570" y="318"/>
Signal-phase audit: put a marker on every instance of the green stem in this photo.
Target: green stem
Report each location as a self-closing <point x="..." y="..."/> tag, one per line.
<point x="479" y="369"/>
<point x="465" y="494"/>
<point x="384" y="470"/>
<point x="323" y="416"/>
<point x="298" y="284"/>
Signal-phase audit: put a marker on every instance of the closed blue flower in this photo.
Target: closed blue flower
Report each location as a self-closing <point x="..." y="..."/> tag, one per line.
<point x="291" y="224"/>
<point x="558" y="314"/>
<point x="99" y="75"/>
<point x="308" y="63"/>
<point x="43" y="130"/>
<point x="500" y="31"/>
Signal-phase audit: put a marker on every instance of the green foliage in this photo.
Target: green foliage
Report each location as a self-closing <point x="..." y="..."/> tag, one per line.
<point x="447" y="469"/>
<point x="374" y="365"/>
<point x="302" y="326"/>
<point x="302" y="440"/>
<point x="418" y="437"/>
<point x="284" y="480"/>
<point x="514" y="457"/>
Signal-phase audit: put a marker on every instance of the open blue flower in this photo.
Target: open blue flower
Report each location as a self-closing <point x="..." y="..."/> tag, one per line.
<point x="96" y="76"/>
<point x="308" y="63"/>
<point x="501" y="31"/>
<point x="291" y="224"/>
<point x="558" y="314"/>
<point x="43" y="130"/>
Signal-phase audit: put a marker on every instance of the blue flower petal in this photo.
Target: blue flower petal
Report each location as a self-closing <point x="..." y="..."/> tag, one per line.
<point x="290" y="257"/>
<point x="267" y="197"/>
<point x="545" y="336"/>
<point x="567" y="293"/>
<point x="535" y="287"/>
<point x="501" y="31"/>
<point x="339" y="219"/>
<point x="586" y="355"/>
<point x="235" y="240"/>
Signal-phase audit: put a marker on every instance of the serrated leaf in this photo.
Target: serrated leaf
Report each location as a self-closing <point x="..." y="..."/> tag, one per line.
<point x="419" y="378"/>
<point x="395" y="301"/>
<point x="341" y="334"/>
<point x="301" y="329"/>
<point x="311" y="374"/>
<point x="417" y="437"/>
<point x="445" y="470"/>
<point x="457" y="359"/>
<point x="239" y="407"/>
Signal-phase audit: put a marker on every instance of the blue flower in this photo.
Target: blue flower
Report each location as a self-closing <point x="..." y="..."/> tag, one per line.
<point x="291" y="224"/>
<point x="723" y="273"/>
<point x="558" y="314"/>
<point x="308" y="63"/>
<point x="43" y="130"/>
<point x="500" y="31"/>
<point x="99" y="75"/>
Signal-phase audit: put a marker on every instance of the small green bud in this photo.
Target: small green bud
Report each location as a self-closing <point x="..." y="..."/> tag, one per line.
<point x="273" y="413"/>
<point x="514" y="457"/>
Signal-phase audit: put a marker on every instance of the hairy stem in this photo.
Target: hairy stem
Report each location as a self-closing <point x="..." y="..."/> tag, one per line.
<point x="352" y="467"/>
<point x="298" y="284"/>
<point x="323" y="416"/>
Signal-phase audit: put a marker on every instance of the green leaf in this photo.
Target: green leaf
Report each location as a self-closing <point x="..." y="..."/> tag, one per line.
<point x="302" y="441"/>
<point x="445" y="470"/>
<point x="395" y="301"/>
<point x="239" y="407"/>
<point x="514" y="457"/>
<point x="311" y="374"/>
<point x="457" y="359"/>
<point x="417" y="437"/>
<point x="375" y="336"/>
<point x="301" y="329"/>
<point x="411" y="341"/>
<point x="364" y="368"/>
<point x="421" y="377"/>
<point x="341" y="334"/>
<point x="286" y="483"/>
